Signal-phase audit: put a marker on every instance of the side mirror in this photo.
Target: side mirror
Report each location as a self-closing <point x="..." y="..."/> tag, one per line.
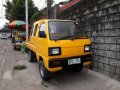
<point x="42" y="34"/>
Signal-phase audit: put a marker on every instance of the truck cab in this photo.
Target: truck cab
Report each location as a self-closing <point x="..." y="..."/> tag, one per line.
<point x="57" y="45"/>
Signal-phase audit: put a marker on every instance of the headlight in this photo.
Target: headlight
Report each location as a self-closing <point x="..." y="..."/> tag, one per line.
<point x="87" y="48"/>
<point x="54" y="51"/>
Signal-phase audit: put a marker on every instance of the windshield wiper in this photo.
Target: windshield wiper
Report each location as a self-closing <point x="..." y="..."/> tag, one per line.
<point x="73" y="37"/>
<point x="66" y="37"/>
<point x="80" y="37"/>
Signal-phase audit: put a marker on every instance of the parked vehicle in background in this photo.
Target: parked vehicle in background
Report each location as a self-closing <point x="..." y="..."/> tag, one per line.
<point x="58" y="45"/>
<point x="3" y="36"/>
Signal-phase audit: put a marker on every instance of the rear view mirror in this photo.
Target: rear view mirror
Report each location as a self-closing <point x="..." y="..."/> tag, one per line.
<point x="42" y="34"/>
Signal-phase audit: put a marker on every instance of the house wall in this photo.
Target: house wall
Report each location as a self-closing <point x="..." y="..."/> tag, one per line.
<point x="102" y="21"/>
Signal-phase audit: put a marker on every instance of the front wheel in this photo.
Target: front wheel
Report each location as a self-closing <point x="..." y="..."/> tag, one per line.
<point x="45" y="75"/>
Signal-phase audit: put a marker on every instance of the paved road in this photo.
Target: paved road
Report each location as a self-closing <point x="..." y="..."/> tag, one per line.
<point x="3" y="54"/>
<point x="2" y="43"/>
<point x="29" y="79"/>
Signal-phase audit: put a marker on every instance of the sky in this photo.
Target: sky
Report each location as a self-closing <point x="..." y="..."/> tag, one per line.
<point x="39" y="3"/>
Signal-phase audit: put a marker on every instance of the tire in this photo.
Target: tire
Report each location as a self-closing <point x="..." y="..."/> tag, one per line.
<point x="14" y="47"/>
<point x="13" y="40"/>
<point x="91" y="67"/>
<point x="44" y="73"/>
<point x="30" y="56"/>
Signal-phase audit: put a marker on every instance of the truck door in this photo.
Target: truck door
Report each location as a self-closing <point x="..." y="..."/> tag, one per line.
<point x="34" y="34"/>
<point x="42" y="40"/>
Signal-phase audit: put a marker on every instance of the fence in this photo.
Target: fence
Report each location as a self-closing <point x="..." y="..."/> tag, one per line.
<point x="102" y="21"/>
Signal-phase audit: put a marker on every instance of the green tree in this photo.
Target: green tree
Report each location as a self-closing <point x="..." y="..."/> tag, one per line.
<point x="42" y="13"/>
<point x="38" y="15"/>
<point x="15" y="10"/>
<point x="8" y="10"/>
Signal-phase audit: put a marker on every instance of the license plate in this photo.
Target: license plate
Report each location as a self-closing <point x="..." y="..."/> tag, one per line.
<point x="74" y="61"/>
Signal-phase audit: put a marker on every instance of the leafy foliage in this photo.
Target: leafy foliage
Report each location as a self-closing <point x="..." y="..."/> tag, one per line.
<point x="38" y="15"/>
<point x="15" y="10"/>
<point x="42" y="13"/>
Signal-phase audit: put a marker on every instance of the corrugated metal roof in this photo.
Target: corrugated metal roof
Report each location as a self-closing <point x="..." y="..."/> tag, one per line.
<point x="66" y="6"/>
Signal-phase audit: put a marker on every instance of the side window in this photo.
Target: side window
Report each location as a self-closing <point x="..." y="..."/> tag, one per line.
<point x="32" y="30"/>
<point x="35" y="29"/>
<point x="42" y="32"/>
<point x="43" y="27"/>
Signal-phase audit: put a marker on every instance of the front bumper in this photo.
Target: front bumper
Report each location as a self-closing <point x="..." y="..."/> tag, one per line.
<point x="64" y="61"/>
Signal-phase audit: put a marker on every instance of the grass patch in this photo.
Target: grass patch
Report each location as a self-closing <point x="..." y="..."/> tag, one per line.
<point x="19" y="67"/>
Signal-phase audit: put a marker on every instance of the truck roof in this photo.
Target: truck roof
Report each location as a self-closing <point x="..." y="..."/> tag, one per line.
<point x="37" y="22"/>
<point x="52" y="20"/>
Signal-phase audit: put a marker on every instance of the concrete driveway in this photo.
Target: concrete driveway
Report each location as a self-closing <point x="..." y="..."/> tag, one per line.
<point x="29" y="79"/>
<point x="69" y="80"/>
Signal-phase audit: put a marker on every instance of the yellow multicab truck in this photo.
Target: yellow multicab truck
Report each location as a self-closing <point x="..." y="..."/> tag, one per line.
<point x="57" y="45"/>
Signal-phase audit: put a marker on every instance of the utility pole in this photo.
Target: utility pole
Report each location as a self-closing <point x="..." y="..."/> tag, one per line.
<point x="26" y="14"/>
<point x="2" y="9"/>
<point x="49" y="3"/>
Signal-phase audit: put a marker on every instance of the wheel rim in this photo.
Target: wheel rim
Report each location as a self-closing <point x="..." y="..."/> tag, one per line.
<point x="29" y="55"/>
<point x="41" y="71"/>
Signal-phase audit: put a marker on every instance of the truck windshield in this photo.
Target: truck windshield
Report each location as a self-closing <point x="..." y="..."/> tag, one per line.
<point x="60" y="30"/>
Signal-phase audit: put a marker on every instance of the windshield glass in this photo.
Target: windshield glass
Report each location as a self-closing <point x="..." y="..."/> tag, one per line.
<point x="60" y="30"/>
